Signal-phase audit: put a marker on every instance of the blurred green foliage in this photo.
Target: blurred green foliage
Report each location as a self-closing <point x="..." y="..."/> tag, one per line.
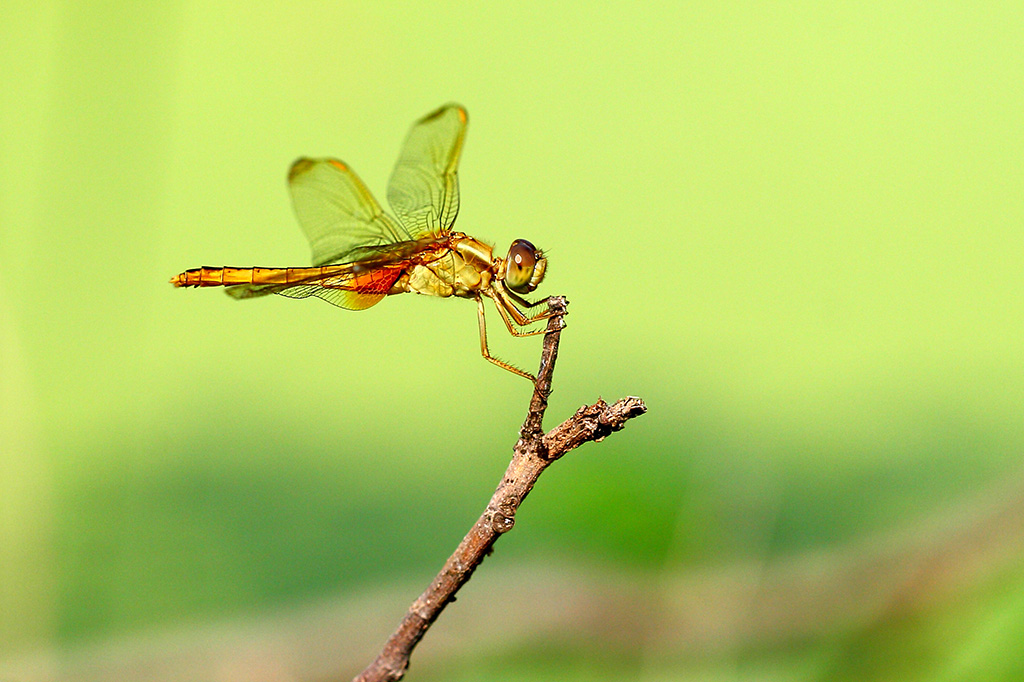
<point x="794" y="230"/>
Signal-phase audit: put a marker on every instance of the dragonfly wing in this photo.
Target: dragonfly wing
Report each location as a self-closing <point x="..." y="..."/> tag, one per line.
<point x="357" y="289"/>
<point x="337" y="212"/>
<point x="424" y="187"/>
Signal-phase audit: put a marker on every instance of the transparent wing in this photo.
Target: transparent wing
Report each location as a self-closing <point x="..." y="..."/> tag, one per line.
<point x="356" y="292"/>
<point x="424" y="187"/>
<point x="337" y="212"/>
<point x="357" y="288"/>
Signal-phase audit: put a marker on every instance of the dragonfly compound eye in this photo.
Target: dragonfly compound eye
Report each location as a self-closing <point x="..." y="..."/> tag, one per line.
<point x="524" y="267"/>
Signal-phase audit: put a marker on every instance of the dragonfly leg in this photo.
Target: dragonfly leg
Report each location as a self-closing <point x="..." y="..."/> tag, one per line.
<point x="506" y="303"/>
<point x="523" y="302"/>
<point x="503" y="311"/>
<point x="483" y="344"/>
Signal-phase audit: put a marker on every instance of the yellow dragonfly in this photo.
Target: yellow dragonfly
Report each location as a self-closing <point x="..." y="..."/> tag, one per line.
<point x="362" y="254"/>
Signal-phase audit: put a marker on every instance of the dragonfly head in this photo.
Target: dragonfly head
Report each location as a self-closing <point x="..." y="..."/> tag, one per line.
<point x="524" y="267"/>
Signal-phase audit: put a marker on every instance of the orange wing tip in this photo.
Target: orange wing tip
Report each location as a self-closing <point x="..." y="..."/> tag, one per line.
<point x="299" y="167"/>
<point x="451" y="106"/>
<point x="305" y="165"/>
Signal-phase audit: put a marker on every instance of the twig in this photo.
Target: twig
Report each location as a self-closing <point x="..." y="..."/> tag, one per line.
<point x="534" y="451"/>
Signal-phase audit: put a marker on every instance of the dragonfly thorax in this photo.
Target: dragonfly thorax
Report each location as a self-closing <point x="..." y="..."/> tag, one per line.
<point x="522" y="270"/>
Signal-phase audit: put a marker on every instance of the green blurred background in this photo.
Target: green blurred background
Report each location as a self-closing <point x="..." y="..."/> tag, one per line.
<point x="794" y="229"/>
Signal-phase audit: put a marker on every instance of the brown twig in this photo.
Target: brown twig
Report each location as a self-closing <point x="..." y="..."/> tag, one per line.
<point x="534" y="451"/>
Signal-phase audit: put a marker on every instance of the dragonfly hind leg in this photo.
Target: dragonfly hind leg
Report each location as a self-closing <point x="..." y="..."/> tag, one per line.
<point x="483" y="343"/>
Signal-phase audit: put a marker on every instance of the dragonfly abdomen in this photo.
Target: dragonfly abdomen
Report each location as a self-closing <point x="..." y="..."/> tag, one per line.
<point x="219" y="277"/>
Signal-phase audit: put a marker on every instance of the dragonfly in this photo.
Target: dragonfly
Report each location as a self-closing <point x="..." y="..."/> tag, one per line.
<point x="362" y="253"/>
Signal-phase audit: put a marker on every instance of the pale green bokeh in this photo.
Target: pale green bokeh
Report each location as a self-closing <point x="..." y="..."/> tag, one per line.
<point x="795" y="230"/>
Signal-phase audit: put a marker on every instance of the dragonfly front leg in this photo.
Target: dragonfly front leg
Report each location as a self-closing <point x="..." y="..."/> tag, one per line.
<point x="523" y="302"/>
<point x="483" y="344"/>
<point x="503" y="299"/>
<point x="505" y="317"/>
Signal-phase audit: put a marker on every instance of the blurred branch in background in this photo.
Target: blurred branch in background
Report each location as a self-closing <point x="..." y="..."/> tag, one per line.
<point x="532" y="454"/>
